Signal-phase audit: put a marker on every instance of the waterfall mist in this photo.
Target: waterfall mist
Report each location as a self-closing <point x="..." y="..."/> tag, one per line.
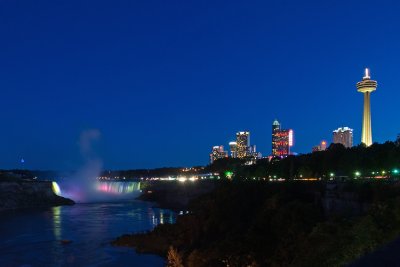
<point x="83" y="186"/>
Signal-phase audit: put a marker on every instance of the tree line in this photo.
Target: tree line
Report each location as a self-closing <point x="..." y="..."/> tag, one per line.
<point x="377" y="160"/>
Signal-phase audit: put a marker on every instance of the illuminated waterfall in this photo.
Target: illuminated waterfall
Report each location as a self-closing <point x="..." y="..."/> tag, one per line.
<point x="86" y="191"/>
<point x="56" y="188"/>
<point x="118" y="188"/>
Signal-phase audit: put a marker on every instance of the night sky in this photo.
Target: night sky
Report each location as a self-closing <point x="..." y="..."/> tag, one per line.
<point x="164" y="81"/>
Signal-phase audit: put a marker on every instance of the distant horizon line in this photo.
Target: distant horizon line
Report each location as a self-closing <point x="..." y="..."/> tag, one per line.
<point x="154" y="168"/>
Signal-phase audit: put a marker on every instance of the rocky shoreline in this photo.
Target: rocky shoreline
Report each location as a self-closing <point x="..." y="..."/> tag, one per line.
<point x="26" y="194"/>
<point x="175" y="196"/>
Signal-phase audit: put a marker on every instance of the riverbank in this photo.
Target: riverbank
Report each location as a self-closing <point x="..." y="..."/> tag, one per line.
<point x="26" y="194"/>
<point x="278" y="224"/>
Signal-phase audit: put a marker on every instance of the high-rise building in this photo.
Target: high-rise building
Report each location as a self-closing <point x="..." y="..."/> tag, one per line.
<point x="233" y="148"/>
<point x="367" y="86"/>
<point x="320" y="147"/>
<point x="253" y="152"/>
<point x="218" y="153"/>
<point x="242" y="144"/>
<point x="282" y="143"/>
<point x="253" y="155"/>
<point x="282" y="140"/>
<point x="276" y="127"/>
<point x="343" y="136"/>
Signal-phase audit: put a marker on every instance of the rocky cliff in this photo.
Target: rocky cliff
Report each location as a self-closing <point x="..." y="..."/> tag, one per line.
<point x="22" y="194"/>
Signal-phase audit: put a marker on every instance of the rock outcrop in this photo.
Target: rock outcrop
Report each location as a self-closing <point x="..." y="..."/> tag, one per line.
<point x="21" y="194"/>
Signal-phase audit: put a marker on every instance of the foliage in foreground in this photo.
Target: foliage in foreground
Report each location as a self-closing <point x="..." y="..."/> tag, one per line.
<point x="260" y="224"/>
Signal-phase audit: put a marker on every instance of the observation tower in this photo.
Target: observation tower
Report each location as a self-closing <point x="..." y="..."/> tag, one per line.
<point x="367" y="86"/>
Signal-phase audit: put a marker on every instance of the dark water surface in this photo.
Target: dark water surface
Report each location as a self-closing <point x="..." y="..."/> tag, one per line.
<point x="33" y="238"/>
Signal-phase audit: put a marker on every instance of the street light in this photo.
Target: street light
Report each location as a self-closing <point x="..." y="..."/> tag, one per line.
<point x="229" y="174"/>
<point x="357" y="173"/>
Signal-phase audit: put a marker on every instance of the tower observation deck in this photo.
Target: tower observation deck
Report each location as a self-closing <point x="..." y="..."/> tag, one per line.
<point x="366" y="86"/>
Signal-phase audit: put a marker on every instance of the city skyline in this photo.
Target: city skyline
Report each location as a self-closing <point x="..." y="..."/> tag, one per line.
<point x="146" y="78"/>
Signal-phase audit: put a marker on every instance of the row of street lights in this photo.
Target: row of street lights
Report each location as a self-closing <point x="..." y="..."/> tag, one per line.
<point x="357" y="174"/>
<point x="377" y="173"/>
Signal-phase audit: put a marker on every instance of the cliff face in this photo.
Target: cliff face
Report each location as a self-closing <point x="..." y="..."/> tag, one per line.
<point x="337" y="200"/>
<point x="29" y="194"/>
<point x="175" y="195"/>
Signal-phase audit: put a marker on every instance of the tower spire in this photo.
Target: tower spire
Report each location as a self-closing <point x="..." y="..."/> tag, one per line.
<point x="366" y="76"/>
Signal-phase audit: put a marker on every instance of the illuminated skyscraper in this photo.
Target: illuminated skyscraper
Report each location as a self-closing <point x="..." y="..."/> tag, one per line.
<point x="320" y="147"/>
<point x="218" y="153"/>
<point x="252" y="155"/>
<point x="343" y="136"/>
<point x="367" y="86"/>
<point x="233" y="148"/>
<point x="242" y="144"/>
<point x="276" y="127"/>
<point x="282" y="140"/>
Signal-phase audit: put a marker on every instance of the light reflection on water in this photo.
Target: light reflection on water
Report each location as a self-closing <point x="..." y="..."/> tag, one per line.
<point x="33" y="238"/>
<point x="57" y="222"/>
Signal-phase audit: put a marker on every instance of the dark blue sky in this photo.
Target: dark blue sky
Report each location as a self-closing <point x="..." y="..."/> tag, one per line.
<point x="164" y="81"/>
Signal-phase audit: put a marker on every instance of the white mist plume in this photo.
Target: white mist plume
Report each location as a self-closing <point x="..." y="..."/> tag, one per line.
<point x="93" y="164"/>
<point x="81" y="186"/>
<point x="86" y="140"/>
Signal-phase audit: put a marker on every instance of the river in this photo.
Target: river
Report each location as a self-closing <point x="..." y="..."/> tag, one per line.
<point x="34" y="237"/>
